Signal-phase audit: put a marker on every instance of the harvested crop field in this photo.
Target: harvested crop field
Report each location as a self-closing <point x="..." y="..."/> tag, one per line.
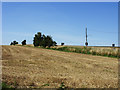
<point x="33" y="67"/>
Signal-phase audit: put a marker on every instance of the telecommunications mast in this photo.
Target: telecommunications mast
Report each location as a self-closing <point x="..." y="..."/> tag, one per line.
<point x="86" y="43"/>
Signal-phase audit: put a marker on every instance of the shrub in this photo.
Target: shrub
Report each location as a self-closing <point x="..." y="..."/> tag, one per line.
<point x="24" y="42"/>
<point x="11" y="43"/>
<point x="62" y="44"/>
<point x="14" y="43"/>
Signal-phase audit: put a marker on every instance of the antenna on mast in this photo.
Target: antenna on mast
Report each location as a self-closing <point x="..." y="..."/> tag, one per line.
<point x="86" y="43"/>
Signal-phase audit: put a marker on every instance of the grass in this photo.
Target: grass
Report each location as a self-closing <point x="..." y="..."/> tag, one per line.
<point x="87" y="50"/>
<point x="44" y="85"/>
<point x="84" y="50"/>
<point x="4" y="85"/>
<point x="62" y="86"/>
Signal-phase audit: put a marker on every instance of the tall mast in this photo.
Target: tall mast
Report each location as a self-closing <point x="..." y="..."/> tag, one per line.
<point x="86" y="34"/>
<point x="86" y="43"/>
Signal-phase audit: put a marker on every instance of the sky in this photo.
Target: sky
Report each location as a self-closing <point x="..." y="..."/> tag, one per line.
<point x="64" y="21"/>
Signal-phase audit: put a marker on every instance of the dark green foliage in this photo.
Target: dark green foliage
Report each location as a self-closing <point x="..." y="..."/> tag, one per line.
<point x="49" y="41"/>
<point x="62" y="44"/>
<point x="37" y="39"/>
<point x="11" y="43"/>
<point x="44" y="41"/>
<point x="54" y="43"/>
<point x="24" y="42"/>
<point x="62" y="49"/>
<point x="62" y="87"/>
<point x="85" y="50"/>
<point x="4" y="85"/>
<point x="14" y="43"/>
<point x="113" y="45"/>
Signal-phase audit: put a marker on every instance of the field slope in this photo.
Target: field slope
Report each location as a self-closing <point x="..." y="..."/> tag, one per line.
<point x="33" y="67"/>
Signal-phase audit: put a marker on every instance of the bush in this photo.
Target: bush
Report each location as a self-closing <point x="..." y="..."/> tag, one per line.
<point x="11" y="43"/>
<point x="24" y="42"/>
<point x="62" y="44"/>
<point x="14" y="43"/>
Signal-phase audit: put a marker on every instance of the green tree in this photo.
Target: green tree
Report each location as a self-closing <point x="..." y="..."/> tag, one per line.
<point x="44" y="44"/>
<point x="35" y="41"/>
<point x="24" y="42"/>
<point x="54" y="43"/>
<point x="39" y="38"/>
<point x="49" y="41"/>
<point x="11" y="43"/>
<point x="62" y="44"/>
<point x="14" y="43"/>
<point x="42" y="40"/>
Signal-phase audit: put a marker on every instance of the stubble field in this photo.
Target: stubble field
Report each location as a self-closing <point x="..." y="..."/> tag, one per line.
<point x="32" y="67"/>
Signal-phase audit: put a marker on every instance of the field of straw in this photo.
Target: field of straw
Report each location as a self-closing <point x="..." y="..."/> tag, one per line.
<point x="28" y="67"/>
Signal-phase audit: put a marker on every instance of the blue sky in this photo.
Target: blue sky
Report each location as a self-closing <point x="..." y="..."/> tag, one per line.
<point x="64" y="21"/>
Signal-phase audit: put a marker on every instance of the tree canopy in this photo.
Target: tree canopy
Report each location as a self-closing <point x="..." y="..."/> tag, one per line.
<point x="44" y="41"/>
<point x="14" y="43"/>
<point x="23" y="42"/>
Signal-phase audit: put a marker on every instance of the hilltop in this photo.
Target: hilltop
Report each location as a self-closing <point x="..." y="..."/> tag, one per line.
<point x="33" y="67"/>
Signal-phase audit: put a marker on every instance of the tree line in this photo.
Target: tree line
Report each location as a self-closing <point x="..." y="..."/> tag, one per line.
<point x="39" y="40"/>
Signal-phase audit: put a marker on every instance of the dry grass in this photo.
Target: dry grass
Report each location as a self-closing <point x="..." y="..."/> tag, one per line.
<point x="102" y="51"/>
<point x="33" y="67"/>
